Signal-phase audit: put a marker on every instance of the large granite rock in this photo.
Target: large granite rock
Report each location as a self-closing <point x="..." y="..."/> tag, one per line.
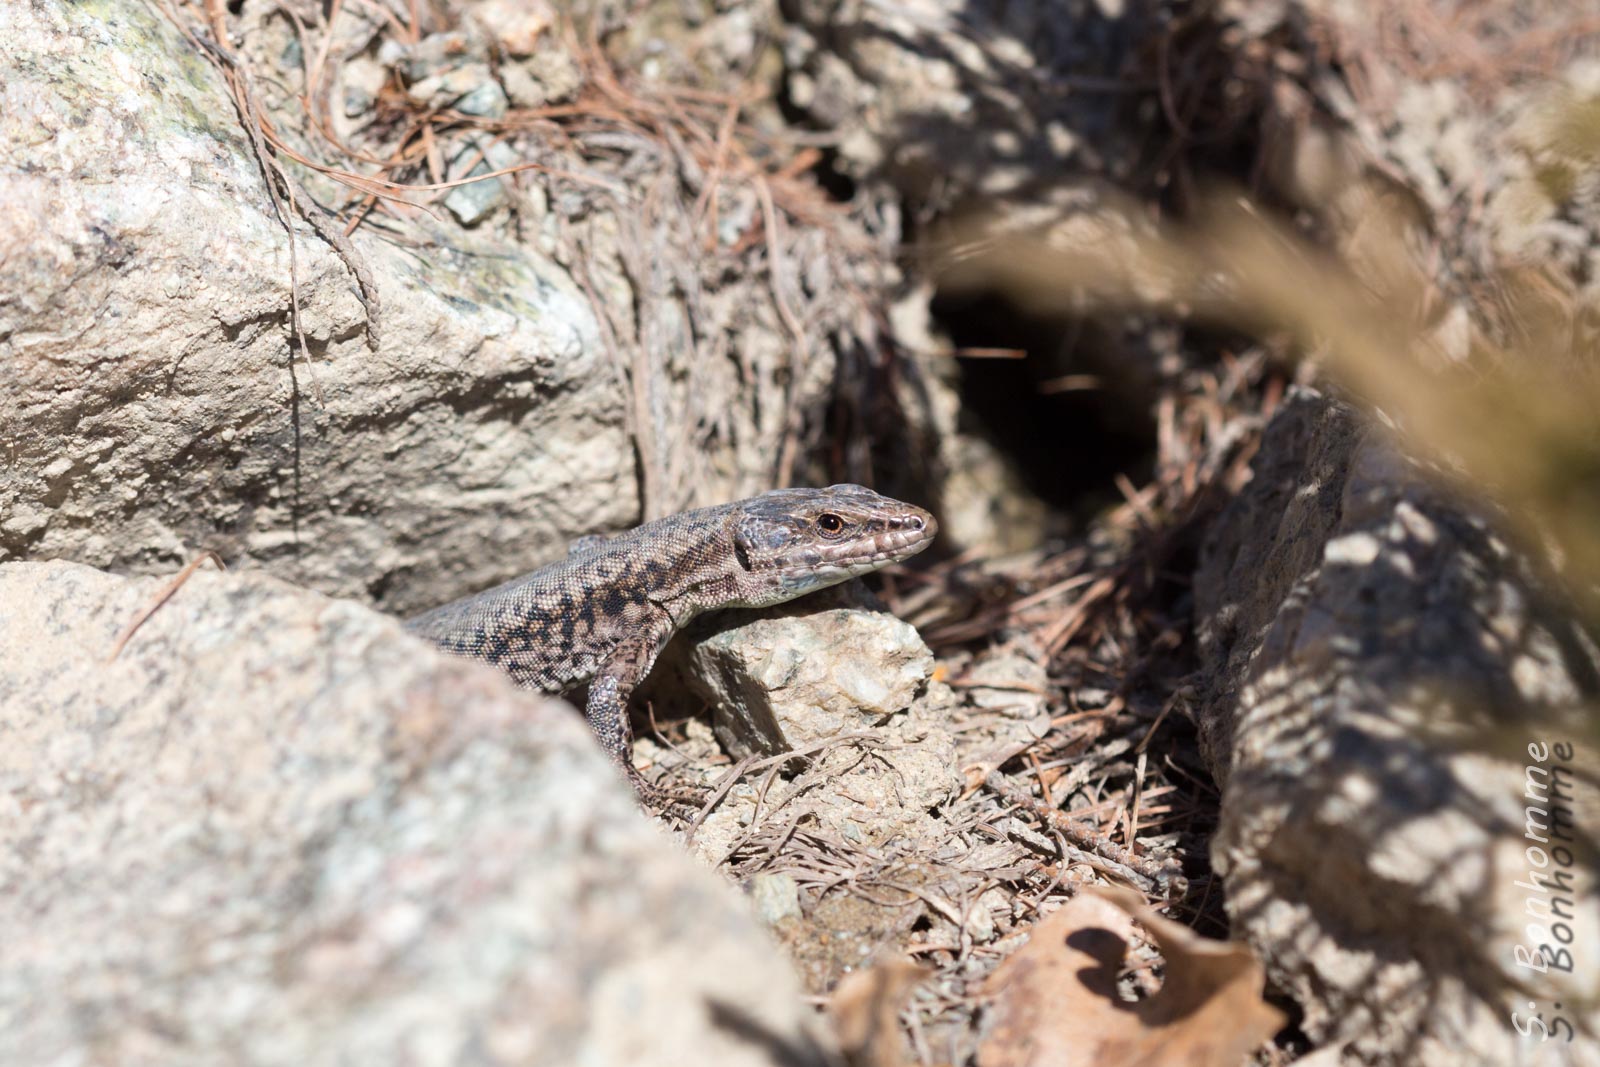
<point x="278" y="830"/>
<point x="1402" y="721"/>
<point x="149" y="406"/>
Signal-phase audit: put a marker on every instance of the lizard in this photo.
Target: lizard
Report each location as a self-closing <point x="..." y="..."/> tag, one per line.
<point x="605" y="612"/>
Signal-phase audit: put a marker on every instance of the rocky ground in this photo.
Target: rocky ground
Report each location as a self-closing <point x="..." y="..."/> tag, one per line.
<point x="1245" y="350"/>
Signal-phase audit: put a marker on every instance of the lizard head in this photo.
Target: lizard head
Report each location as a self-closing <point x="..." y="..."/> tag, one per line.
<point x="792" y="541"/>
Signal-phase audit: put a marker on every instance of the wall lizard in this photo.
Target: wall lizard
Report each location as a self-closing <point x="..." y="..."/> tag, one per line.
<point x="605" y="612"/>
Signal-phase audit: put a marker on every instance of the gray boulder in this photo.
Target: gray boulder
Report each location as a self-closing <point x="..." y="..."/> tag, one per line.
<point x="1401" y="718"/>
<point x="278" y="830"/>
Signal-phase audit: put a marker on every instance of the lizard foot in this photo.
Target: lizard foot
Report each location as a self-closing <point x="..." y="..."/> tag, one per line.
<point x="685" y="801"/>
<point x="681" y="802"/>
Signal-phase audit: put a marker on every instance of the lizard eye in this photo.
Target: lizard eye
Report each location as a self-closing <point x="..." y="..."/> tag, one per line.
<point x="830" y="524"/>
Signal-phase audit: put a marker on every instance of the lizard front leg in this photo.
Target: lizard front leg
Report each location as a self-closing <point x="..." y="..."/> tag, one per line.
<point x="607" y="710"/>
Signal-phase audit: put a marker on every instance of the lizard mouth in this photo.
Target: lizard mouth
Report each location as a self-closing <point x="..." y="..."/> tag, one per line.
<point x="902" y="538"/>
<point x="896" y="544"/>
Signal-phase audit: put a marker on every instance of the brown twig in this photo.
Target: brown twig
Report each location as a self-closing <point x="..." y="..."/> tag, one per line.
<point x="161" y="598"/>
<point x="1078" y="834"/>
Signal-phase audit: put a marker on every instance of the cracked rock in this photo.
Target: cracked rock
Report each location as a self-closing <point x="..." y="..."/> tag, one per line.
<point x="149" y="353"/>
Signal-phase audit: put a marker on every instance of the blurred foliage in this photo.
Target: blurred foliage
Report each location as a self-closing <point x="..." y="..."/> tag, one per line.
<point x="1506" y="395"/>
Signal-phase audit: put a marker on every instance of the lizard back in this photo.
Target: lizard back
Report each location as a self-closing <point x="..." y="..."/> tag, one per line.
<point x="553" y="627"/>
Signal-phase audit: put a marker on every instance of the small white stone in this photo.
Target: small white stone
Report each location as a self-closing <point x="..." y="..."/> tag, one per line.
<point x="1355" y="548"/>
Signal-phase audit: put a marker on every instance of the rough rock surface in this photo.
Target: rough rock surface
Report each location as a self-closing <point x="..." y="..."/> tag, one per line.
<point x="1381" y="662"/>
<point x="812" y="669"/>
<point x="838" y="680"/>
<point x="277" y="830"/>
<point x="950" y="99"/>
<point x="149" y="407"/>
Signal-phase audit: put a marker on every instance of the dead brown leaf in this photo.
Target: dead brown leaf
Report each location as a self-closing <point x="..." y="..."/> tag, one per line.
<point x="1055" y="1001"/>
<point x="866" y="1010"/>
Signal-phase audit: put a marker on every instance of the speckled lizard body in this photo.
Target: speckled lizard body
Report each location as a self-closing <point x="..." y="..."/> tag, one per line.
<point x="605" y="612"/>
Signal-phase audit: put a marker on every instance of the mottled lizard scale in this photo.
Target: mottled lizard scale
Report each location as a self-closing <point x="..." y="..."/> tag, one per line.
<point x="606" y="611"/>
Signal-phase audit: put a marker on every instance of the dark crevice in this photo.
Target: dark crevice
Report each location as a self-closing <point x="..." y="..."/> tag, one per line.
<point x="1070" y="412"/>
<point x="834" y="181"/>
<point x="826" y="171"/>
